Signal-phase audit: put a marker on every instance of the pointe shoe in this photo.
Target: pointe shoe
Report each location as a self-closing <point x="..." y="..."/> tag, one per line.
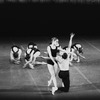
<point x="78" y="60"/>
<point x="17" y="61"/>
<point x="24" y="66"/>
<point x="49" y="83"/>
<point x="53" y="90"/>
<point x="62" y="85"/>
<point x="31" y="66"/>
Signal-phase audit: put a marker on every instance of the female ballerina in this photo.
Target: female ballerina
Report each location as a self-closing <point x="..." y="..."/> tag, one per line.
<point x="52" y="65"/>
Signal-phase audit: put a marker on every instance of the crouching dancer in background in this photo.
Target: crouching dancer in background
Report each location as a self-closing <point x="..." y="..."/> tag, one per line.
<point x="31" y="54"/>
<point x="77" y="52"/>
<point x="15" y="54"/>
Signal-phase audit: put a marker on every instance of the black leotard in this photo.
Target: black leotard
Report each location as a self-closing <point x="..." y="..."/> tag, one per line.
<point x="54" y="51"/>
<point x="28" y="54"/>
<point x="54" y="54"/>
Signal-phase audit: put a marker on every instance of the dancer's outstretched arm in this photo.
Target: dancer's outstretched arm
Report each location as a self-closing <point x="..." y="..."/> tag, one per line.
<point x="70" y="41"/>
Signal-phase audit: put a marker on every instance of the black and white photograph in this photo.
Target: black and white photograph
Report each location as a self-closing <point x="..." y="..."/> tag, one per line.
<point x="50" y="49"/>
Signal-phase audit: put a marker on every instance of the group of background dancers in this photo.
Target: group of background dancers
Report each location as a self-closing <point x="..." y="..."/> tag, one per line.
<point x="57" y="58"/>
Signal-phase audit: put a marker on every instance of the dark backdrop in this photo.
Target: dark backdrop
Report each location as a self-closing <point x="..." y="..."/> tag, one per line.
<point x="49" y="19"/>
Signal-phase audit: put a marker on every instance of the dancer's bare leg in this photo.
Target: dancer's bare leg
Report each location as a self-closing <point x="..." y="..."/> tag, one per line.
<point x="50" y="71"/>
<point x="53" y="77"/>
<point x="37" y="54"/>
